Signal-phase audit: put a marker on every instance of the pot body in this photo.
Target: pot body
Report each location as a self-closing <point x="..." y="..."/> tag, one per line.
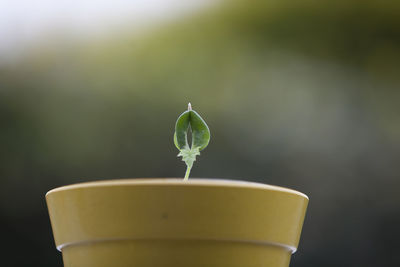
<point x="171" y="223"/>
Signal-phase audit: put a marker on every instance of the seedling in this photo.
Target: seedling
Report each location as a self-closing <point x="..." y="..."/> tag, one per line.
<point x="190" y="120"/>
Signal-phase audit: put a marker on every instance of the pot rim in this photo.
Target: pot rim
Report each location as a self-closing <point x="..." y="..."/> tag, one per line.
<point x="217" y="182"/>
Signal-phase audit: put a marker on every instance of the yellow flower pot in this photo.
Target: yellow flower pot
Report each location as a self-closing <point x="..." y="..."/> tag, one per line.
<point x="171" y="223"/>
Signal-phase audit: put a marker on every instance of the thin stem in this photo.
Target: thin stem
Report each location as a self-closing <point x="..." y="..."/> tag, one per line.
<point x="187" y="173"/>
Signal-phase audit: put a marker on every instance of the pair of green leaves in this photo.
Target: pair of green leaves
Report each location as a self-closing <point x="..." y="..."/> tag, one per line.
<point x="190" y="120"/>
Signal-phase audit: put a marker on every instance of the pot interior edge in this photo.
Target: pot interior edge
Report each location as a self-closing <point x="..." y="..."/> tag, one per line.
<point x="177" y="182"/>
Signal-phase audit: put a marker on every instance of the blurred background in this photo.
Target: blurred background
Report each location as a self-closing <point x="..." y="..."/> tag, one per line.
<point x="303" y="94"/>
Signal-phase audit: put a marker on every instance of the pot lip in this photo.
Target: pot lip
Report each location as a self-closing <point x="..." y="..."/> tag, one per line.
<point x="178" y="182"/>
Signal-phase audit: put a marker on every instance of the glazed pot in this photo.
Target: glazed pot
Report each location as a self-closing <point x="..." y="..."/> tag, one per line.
<point x="171" y="223"/>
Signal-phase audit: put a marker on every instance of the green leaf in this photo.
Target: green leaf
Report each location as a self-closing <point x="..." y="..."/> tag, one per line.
<point x="181" y="130"/>
<point x="190" y="120"/>
<point x="200" y="131"/>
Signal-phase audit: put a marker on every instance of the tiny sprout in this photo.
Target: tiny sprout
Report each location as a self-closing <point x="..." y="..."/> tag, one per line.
<point x="190" y="120"/>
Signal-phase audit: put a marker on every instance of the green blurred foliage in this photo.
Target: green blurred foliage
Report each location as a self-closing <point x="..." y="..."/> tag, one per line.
<point x="303" y="94"/>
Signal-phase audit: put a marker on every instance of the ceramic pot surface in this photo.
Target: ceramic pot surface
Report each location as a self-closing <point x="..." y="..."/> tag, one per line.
<point x="171" y="223"/>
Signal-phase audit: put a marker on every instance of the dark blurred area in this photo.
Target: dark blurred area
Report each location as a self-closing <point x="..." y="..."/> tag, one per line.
<point x="302" y="94"/>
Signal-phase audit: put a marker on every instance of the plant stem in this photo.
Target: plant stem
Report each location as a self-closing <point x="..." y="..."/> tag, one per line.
<point x="187" y="173"/>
